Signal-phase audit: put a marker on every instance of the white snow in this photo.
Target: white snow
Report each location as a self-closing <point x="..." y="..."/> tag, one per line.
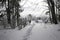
<point x="34" y="31"/>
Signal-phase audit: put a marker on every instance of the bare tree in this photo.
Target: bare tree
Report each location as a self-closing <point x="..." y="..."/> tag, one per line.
<point x="52" y="9"/>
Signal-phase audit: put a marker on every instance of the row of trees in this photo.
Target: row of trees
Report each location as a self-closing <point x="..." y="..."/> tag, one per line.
<point x="13" y="12"/>
<point x="52" y="10"/>
<point x="12" y="9"/>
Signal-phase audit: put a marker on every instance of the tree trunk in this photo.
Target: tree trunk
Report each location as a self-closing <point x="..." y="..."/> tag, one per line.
<point x="53" y="12"/>
<point x="52" y="9"/>
<point x="18" y="17"/>
<point x="59" y="18"/>
<point x="8" y="13"/>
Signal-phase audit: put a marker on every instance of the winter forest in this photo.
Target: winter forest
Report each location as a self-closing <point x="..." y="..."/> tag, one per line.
<point x="29" y="19"/>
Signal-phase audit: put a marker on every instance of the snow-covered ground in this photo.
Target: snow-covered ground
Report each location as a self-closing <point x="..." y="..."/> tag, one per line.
<point x="34" y="31"/>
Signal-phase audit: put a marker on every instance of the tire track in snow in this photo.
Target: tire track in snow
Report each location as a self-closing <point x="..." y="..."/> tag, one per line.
<point x="28" y="32"/>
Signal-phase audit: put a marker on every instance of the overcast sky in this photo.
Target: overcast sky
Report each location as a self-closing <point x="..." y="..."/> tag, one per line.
<point x="34" y="7"/>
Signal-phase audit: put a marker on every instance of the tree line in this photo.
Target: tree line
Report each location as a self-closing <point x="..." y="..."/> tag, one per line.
<point x="12" y="9"/>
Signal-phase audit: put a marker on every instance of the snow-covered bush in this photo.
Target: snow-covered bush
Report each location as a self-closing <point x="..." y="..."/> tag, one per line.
<point x="45" y="18"/>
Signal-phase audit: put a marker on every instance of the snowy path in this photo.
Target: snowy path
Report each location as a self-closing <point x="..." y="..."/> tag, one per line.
<point x="14" y="34"/>
<point x="28" y="32"/>
<point x="36" y="31"/>
<point x="45" y="32"/>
